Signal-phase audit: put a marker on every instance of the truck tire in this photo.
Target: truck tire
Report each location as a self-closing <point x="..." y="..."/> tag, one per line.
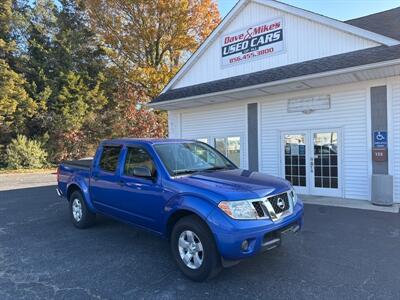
<point x="81" y="216"/>
<point x="194" y="250"/>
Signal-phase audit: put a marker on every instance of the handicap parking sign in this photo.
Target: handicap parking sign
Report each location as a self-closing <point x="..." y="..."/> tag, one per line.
<point x="380" y="139"/>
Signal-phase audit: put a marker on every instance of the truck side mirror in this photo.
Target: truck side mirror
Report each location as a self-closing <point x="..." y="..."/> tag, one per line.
<point x="142" y="172"/>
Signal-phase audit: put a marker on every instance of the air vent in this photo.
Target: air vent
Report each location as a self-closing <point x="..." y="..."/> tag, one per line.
<point x="258" y="206"/>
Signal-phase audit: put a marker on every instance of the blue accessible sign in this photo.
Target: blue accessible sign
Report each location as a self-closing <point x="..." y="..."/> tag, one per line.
<point x="380" y="139"/>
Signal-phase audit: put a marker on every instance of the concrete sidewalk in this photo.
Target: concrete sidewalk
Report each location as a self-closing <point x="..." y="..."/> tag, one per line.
<point x="26" y="180"/>
<point x="349" y="203"/>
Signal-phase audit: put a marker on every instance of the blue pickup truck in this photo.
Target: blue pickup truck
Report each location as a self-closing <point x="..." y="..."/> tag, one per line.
<point x="213" y="213"/>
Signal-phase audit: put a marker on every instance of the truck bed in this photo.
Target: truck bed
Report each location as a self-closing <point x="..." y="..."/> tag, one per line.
<point x="80" y="163"/>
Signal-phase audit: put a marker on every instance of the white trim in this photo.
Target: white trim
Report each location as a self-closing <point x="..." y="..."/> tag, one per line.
<point x="390" y="129"/>
<point x="246" y="141"/>
<point x="180" y="125"/>
<point x="283" y="81"/>
<point x="339" y="192"/>
<point x="369" y="139"/>
<point x="259" y="136"/>
<point x="369" y="35"/>
<point x="213" y="36"/>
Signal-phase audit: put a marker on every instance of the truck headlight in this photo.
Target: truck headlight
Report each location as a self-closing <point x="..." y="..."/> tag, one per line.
<point x="293" y="195"/>
<point x="240" y="210"/>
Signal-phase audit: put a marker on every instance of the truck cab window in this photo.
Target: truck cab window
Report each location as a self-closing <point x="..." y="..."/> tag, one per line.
<point x="136" y="158"/>
<point x="109" y="158"/>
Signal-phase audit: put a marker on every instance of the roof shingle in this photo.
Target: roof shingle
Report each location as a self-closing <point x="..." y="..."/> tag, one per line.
<point x="386" y="23"/>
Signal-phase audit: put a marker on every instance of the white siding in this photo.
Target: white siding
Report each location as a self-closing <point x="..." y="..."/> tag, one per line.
<point x="217" y="121"/>
<point x="396" y="140"/>
<point x="174" y="124"/>
<point x="348" y="113"/>
<point x="304" y="40"/>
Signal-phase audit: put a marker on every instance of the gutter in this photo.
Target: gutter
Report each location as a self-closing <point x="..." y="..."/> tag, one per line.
<point x="279" y="82"/>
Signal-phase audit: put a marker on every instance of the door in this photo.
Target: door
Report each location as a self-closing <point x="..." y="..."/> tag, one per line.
<point x="311" y="161"/>
<point x="325" y="165"/>
<point x="295" y="153"/>
<point x="104" y="181"/>
<point x="141" y="197"/>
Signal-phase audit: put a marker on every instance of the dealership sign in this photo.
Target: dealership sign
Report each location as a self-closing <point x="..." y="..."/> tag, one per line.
<point x="253" y="42"/>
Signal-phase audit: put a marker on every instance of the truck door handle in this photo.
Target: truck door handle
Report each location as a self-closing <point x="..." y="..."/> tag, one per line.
<point x="121" y="183"/>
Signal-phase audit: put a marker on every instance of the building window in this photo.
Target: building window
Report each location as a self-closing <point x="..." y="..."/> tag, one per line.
<point x="230" y="147"/>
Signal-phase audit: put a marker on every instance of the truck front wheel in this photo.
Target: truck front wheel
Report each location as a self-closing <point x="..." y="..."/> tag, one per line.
<point x="81" y="216"/>
<point x="194" y="249"/>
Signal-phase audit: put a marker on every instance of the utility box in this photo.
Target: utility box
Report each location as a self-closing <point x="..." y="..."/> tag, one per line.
<point x="382" y="189"/>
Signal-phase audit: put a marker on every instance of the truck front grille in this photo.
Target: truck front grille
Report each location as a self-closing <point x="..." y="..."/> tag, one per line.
<point x="273" y="207"/>
<point x="280" y="203"/>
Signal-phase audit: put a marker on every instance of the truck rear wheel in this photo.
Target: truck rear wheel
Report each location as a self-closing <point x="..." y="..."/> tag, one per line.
<point x="81" y="216"/>
<point x="194" y="249"/>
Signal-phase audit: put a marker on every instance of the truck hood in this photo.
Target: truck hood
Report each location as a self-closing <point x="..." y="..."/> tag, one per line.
<point x="236" y="184"/>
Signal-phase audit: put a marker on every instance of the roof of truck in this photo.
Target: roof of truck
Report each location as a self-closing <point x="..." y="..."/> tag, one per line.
<point x="144" y="141"/>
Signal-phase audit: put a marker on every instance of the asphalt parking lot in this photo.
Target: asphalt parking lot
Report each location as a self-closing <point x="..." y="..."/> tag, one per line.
<point x="341" y="254"/>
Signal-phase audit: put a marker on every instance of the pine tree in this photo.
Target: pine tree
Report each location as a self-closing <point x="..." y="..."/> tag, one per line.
<point x="15" y="104"/>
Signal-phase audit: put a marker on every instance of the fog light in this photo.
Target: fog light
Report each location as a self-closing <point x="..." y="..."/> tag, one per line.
<point x="245" y="245"/>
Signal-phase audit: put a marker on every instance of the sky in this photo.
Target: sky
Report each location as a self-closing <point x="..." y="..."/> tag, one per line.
<point x="338" y="9"/>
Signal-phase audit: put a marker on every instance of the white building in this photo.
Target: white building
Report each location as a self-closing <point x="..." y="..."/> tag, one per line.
<point x="295" y="94"/>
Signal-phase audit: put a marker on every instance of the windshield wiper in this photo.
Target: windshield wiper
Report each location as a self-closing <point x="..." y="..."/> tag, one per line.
<point x="218" y="168"/>
<point x="191" y="171"/>
<point x="185" y="171"/>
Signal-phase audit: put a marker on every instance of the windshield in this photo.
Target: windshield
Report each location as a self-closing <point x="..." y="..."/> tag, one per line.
<point x="191" y="157"/>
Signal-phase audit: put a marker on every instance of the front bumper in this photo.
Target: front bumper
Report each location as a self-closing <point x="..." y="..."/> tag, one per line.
<point x="261" y="235"/>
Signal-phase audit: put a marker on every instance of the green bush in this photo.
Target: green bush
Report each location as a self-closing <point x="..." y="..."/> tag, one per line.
<point x="25" y="153"/>
<point x="3" y="156"/>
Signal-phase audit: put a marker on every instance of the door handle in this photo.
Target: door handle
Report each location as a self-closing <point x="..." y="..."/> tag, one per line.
<point x="121" y="183"/>
<point x="312" y="164"/>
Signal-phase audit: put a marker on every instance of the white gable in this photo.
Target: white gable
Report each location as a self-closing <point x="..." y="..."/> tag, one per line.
<point x="303" y="39"/>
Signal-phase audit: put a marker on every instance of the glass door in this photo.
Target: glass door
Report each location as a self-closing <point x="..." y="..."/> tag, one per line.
<point x="295" y="160"/>
<point x="325" y="163"/>
<point x="311" y="161"/>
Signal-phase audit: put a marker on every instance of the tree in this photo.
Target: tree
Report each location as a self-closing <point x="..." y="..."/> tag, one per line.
<point x="5" y="21"/>
<point x="74" y="116"/>
<point x="132" y="119"/>
<point x="64" y="65"/>
<point x="73" y="72"/>
<point x="15" y="103"/>
<point x="149" y="40"/>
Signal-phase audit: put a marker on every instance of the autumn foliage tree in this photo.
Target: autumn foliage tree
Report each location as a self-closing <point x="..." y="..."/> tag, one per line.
<point x="147" y="42"/>
<point x="73" y="72"/>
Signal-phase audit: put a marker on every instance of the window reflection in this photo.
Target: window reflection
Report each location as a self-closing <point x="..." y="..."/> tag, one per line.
<point x="295" y="159"/>
<point x="326" y="160"/>
<point x="230" y="147"/>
